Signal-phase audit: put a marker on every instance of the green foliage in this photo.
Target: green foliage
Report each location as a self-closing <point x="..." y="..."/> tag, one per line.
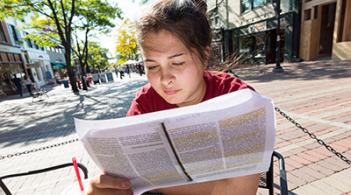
<point x="97" y="56"/>
<point x="57" y="19"/>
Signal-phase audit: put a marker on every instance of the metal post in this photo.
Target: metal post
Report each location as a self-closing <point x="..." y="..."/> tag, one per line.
<point x="276" y="6"/>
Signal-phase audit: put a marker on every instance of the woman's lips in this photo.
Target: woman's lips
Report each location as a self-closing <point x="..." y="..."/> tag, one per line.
<point x="170" y="91"/>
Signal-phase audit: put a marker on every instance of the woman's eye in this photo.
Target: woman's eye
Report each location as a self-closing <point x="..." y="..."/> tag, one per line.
<point x="178" y="64"/>
<point x="151" y="67"/>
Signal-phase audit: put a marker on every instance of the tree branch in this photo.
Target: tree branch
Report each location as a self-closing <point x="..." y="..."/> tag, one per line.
<point x="59" y="29"/>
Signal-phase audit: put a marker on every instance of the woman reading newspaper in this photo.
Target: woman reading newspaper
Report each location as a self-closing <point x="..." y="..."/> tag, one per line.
<point x="175" y="39"/>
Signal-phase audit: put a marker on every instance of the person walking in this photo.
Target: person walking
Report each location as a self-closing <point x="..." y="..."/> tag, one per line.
<point x="18" y="84"/>
<point x="28" y="82"/>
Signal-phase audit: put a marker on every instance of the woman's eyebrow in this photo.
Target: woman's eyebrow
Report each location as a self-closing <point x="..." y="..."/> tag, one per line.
<point x="169" y="57"/>
<point x="149" y="60"/>
<point x="175" y="55"/>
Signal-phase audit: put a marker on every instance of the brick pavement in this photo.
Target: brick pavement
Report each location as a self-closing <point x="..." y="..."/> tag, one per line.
<point x="316" y="94"/>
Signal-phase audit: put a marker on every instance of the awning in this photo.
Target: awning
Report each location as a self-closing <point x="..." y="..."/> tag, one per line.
<point x="58" y="65"/>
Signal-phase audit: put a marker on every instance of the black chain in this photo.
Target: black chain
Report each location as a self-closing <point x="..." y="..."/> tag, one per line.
<point x="313" y="136"/>
<point x="38" y="149"/>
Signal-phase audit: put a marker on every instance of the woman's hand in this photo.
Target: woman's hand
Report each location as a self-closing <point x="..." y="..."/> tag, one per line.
<point x="106" y="185"/>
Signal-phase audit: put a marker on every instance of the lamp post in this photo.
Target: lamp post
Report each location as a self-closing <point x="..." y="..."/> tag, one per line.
<point x="276" y="6"/>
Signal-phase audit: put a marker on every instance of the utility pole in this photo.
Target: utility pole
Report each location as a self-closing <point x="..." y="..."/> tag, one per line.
<point x="276" y="6"/>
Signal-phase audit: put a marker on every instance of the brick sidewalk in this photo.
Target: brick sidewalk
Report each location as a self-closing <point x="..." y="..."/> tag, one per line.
<point x="316" y="94"/>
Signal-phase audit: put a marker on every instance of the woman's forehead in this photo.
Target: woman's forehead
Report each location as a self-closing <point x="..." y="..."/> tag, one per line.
<point x="161" y="41"/>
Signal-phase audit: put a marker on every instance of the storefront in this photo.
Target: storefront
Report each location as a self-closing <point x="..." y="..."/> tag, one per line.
<point x="11" y="65"/>
<point x="258" y="40"/>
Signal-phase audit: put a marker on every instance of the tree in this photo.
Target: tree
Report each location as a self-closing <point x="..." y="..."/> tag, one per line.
<point x="93" y="16"/>
<point x="97" y="56"/>
<point x="57" y="17"/>
<point x="126" y="42"/>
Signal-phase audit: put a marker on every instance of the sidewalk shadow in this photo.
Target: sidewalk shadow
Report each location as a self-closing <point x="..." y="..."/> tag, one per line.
<point x="328" y="69"/>
<point x="107" y="102"/>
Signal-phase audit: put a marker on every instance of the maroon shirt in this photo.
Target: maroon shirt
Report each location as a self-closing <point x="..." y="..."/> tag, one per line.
<point x="217" y="83"/>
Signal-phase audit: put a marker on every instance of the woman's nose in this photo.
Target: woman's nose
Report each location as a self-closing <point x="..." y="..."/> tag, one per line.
<point x="167" y="78"/>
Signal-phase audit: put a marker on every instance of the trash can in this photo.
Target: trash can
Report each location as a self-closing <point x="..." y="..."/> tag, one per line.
<point x="65" y="83"/>
<point x="103" y="78"/>
<point x="109" y="77"/>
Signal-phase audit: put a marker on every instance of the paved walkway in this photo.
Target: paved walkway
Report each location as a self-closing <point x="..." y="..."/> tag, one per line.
<point x="316" y="94"/>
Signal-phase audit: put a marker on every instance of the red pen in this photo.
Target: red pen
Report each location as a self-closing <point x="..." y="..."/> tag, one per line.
<point x="77" y="174"/>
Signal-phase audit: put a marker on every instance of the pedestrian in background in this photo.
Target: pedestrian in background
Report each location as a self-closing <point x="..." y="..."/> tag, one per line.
<point x="18" y="84"/>
<point x="28" y="82"/>
<point x="128" y="70"/>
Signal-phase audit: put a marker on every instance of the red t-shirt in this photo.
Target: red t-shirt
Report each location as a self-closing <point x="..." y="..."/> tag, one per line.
<point x="217" y="83"/>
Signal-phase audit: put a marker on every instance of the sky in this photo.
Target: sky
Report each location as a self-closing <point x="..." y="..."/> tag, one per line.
<point x="130" y="10"/>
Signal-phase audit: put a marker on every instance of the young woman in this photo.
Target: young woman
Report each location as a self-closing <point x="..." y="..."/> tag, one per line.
<point x="175" y="39"/>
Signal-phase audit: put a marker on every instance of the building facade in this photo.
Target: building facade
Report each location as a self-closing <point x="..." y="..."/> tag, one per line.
<point x="57" y="61"/>
<point x="11" y="59"/>
<point x="21" y="57"/>
<point x="250" y="27"/>
<point x="325" y="29"/>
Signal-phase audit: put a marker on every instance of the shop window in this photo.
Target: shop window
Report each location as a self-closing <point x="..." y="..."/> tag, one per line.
<point x="18" y="58"/>
<point x="307" y="14"/>
<point x="247" y="5"/>
<point x="4" y="57"/>
<point x="11" y="57"/>
<point x="258" y="3"/>
<point x="315" y="12"/>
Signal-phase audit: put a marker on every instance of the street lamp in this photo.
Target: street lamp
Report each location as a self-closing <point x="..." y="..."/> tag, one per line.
<point x="276" y="6"/>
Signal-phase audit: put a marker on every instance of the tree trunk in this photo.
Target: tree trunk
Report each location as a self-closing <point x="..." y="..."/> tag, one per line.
<point x="84" y="82"/>
<point x="70" y="70"/>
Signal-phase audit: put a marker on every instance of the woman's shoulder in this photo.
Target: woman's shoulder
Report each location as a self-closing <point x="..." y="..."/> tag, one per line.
<point x="219" y="83"/>
<point x="220" y="77"/>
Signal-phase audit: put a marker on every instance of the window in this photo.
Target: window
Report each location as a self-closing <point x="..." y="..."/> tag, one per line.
<point x="258" y="3"/>
<point x="36" y="46"/>
<point x="307" y="14"/>
<point x="315" y="12"/>
<point x="14" y="33"/>
<point x="29" y="42"/>
<point x="247" y="5"/>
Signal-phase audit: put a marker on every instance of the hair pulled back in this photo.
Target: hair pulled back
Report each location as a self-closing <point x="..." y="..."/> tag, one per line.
<point x="186" y="19"/>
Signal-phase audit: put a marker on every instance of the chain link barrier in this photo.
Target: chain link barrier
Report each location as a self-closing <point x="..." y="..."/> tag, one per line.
<point x="298" y="125"/>
<point x="313" y="136"/>
<point x="38" y="149"/>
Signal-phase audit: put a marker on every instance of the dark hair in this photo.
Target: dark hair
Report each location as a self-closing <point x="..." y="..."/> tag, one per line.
<point x="186" y="19"/>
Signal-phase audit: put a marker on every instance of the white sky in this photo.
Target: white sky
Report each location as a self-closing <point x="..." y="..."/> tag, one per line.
<point x="130" y="10"/>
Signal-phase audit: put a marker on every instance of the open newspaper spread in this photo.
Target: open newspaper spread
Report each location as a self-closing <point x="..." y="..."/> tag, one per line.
<point x="227" y="136"/>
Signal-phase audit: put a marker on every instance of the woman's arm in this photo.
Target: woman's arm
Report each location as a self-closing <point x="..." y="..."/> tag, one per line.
<point x="239" y="185"/>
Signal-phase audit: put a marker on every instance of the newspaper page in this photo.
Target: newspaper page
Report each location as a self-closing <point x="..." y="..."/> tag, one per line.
<point x="228" y="136"/>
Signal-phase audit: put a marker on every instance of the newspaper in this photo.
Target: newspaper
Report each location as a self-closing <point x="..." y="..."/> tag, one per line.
<point x="227" y="136"/>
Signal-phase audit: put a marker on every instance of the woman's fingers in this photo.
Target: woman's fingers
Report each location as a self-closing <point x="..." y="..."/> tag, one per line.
<point x="107" y="181"/>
